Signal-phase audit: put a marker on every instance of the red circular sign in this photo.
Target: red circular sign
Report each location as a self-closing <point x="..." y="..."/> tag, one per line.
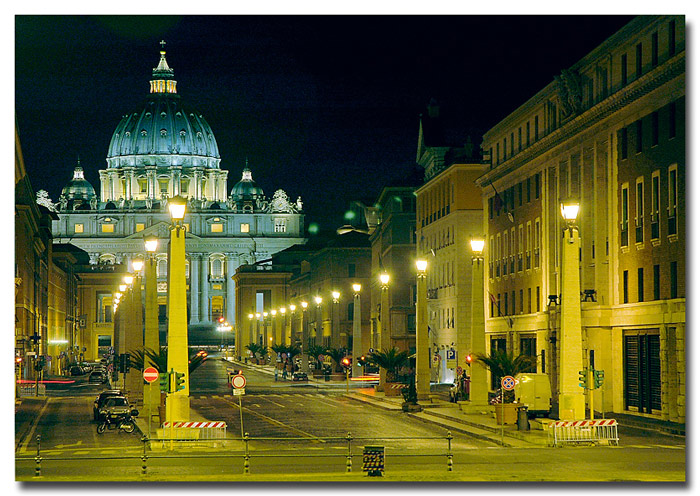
<point x="238" y="381"/>
<point x="150" y="374"/>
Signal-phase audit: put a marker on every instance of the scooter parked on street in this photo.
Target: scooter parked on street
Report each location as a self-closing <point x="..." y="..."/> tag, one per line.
<point x="122" y="421"/>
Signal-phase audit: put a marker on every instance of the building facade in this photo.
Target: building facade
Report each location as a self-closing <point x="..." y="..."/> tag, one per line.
<point x="167" y="149"/>
<point x="608" y="131"/>
<point x="448" y="214"/>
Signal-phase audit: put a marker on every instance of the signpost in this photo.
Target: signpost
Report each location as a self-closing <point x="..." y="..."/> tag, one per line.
<point x="507" y="384"/>
<point x="150" y="375"/>
<point x="238" y="382"/>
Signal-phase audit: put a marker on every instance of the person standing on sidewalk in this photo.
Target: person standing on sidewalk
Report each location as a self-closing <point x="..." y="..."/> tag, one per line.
<point x="276" y="371"/>
<point x="284" y="372"/>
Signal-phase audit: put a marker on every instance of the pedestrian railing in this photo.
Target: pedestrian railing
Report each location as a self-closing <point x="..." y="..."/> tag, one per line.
<point x="355" y="448"/>
<point x="603" y="432"/>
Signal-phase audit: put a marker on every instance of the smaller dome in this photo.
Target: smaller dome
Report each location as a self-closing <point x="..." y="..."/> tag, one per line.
<point x="78" y="188"/>
<point x="246" y="188"/>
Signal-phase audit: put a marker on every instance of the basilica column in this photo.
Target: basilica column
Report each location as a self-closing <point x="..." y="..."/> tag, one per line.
<point x="104" y="186"/>
<point x="128" y="178"/>
<point x="197" y="184"/>
<point x="204" y="278"/>
<point x="230" y="288"/>
<point x="151" y="182"/>
<point x="175" y="173"/>
<point x="195" y="260"/>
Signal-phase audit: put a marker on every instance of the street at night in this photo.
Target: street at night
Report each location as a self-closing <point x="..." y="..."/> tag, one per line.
<point x="333" y="248"/>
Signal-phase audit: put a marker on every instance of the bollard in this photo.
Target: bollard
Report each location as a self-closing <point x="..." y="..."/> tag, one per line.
<point x="37" y="469"/>
<point x="348" y="462"/>
<point x="246" y="458"/>
<point x="449" y="451"/>
<point x="144" y="457"/>
<point x="523" y="422"/>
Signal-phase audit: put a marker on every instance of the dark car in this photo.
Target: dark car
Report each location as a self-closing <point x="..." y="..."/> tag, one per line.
<point x="300" y="376"/>
<point x="117" y="406"/>
<point x="97" y="377"/>
<point x="100" y="400"/>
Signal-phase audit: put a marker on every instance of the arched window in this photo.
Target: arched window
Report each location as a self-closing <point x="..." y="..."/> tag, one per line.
<point x="162" y="267"/>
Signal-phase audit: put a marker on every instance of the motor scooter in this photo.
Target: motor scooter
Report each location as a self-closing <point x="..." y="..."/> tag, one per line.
<point x="122" y="421"/>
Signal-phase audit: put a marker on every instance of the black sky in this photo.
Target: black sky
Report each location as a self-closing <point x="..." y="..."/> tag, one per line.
<point x="323" y="107"/>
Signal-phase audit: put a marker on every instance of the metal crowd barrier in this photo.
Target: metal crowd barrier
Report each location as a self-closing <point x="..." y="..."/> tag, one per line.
<point x="195" y="431"/>
<point x="30" y="390"/>
<point x="602" y="432"/>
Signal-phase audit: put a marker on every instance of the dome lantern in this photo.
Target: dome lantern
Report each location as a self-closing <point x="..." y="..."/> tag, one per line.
<point x="163" y="76"/>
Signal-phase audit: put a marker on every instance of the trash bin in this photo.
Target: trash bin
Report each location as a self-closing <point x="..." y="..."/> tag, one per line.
<point x="523" y="422"/>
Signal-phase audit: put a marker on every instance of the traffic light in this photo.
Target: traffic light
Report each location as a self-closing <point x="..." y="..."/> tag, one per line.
<point x="18" y="360"/>
<point x="583" y="378"/>
<point x="164" y="380"/>
<point x="468" y="360"/>
<point x="124" y="362"/>
<point x="345" y="362"/>
<point x="598" y="376"/>
<point x="360" y="361"/>
<point x="179" y="381"/>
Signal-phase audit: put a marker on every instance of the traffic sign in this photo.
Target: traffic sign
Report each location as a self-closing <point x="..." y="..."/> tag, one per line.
<point x="150" y="374"/>
<point x="508" y="383"/>
<point x="458" y="371"/>
<point x="238" y="392"/>
<point x="238" y="381"/>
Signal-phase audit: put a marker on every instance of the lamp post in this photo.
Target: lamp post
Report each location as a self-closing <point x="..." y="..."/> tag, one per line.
<point x="241" y="348"/>
<point x="319" y="319"/>
<point x="385" y="334"/>
<point x="478" y="386"/>
<point x="290" y="331"/>
<point x="284" y="338"/>
<point x="335" y="322"/>
<point x="356" y="323"/>
<point x="151" y="340"/>
<point x="134" y="330"/>
<point x="275" y="328"/>
<point x="304" y="337"/>
<point x="422" y="344"/>
<point x="572" y="403"/>
<point x="178" y="403"/>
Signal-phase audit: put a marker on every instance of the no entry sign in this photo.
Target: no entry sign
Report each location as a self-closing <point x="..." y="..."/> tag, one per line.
<point x="238" y="381"/>
<point x="508" y="383"/>
<point x="150" y="374"/>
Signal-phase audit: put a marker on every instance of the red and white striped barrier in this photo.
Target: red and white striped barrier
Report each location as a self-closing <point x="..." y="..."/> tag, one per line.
<point x="584" y="423"/>
<point x="196" y="425"/>
<point x="603" y="431"/>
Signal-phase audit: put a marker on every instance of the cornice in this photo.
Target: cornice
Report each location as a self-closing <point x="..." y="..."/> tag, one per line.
<point x="626" y="96"/>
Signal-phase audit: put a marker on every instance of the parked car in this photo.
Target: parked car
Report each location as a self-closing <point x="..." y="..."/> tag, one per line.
<point x="116" y="406"/>
<point x="97" y="377"/>
<point x="300" y="376"/>
<point x="77" y="370"/>
<point x="101" y="398"/>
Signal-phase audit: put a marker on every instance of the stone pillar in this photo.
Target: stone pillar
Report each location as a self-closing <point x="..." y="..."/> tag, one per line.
<point x="204" y="289"/>
<point x="177" y="403"/>
<point x="175" y="174"/>
<point x="128" y="178"/>
<point x="134" y="336"/>
<point x="385" y="333"/>
<point x="104" y="186"/>
<point x="151" y="337"/>
<point x="230" y="288"/>
<point x="195" y="260"/>
<point x="422" y="344"/>
<point x="356" y="330"/>
<point x="197" y="184"/>
<point x="479" y="386"/>
<point x="151" y="182"/>
<point x="572" y="403"/>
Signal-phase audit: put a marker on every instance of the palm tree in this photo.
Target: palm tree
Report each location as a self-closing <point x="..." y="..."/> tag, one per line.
<point x="336" y="354"/>
<point x="503" y="363"/>
<point x="160" y="359"/>
<point x="390" y="360"/>
<point x="314" y="350"/>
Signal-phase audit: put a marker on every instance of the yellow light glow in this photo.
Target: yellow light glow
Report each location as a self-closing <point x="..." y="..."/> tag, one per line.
<point x="318" y="300"/>
<point x="283" y="310"/>
<point x="304" y="304"/>
<point x="421" y="265"/>
<point x="151" y="244"/>
<point x="273" y="312"/>
<point x="569" y="210"/>
<point x="357" y="287"/>
<point x="137" y="264"/>
<point x="477" y="245"/>
<point x="177" y="206"/>
<point x="384" y="278"/>
<point x="122" y="288"/>
<point x="128" y="279"/>
<point x="335" y="295"/>
<point x="292" y="307"/>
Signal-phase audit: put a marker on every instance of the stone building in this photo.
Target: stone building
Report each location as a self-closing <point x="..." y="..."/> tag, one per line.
<point x="162" y="150"/>
<point x="610" y="132"/>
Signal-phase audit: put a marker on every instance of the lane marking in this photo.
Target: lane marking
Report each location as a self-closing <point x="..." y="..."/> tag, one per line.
<point x="34" y="426"/>
<point x="275" y="422"/>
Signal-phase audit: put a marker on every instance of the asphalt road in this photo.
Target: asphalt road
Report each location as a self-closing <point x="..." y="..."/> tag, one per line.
<point x="290" y="425"/>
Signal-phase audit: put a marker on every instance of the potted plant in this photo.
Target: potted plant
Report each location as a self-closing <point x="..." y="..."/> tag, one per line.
<point x="410" y="398"/>
<point x="337" y="354"/>
<point x="390" y="360"/>
<point x="255" y="349"/>
<point x="501" y="364"/>
<point x="314" y="351"/>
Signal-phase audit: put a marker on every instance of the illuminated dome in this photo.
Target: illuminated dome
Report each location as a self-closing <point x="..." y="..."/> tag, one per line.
<point x="164" y="132"/>
<point x="78" y="188"/>
<point x="246" y="188"/>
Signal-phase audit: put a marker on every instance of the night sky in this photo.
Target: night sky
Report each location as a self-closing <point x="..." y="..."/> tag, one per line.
<point x="325" y="108"/>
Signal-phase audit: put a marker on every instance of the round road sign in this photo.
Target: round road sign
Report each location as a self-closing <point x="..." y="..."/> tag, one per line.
<point x="508" y="383"/>
<point x="238" y="381"/>
<point x="150" y="374"/>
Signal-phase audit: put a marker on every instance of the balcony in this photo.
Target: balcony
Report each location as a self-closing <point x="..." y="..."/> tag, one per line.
<point x="432" y="294"/>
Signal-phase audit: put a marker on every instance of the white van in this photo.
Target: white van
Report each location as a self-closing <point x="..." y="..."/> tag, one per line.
<point x="535" y="392"/>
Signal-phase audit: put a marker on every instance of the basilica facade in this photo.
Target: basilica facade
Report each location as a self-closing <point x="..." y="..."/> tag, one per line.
<point x="162" y="150"/>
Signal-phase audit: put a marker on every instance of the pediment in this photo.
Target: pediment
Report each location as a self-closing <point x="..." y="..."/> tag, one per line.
<point x="160" y="230"/>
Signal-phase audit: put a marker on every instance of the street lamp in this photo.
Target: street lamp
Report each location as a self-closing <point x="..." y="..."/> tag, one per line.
<point x="385" y="317"/>
<point x="128" y="279"/>
<point x="478" y="386"/>
<point x="319" y="322"/>
<point x="335" y="319"/>
<point x="178" y="402"/>
<point x="572" y="403"/>
<point x="151" y="336"/>
<point x="356" y="323"/>
<point x="422" y="344"/>
<point x="304" y="337"/>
